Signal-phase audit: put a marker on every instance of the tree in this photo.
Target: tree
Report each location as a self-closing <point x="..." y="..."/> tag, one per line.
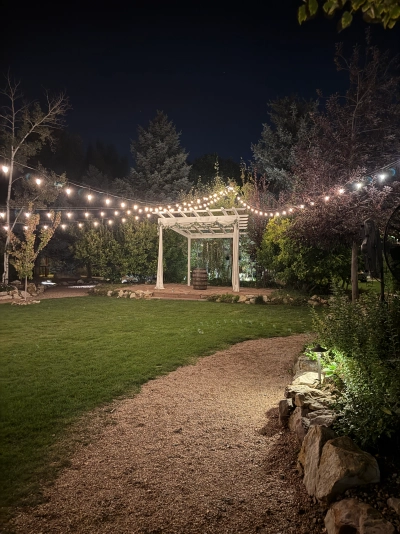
<point x="298" y="265"/>
<point x="24" y="128"/>
<point x="290" y="119"/>
<point x="161" y="172"/>
<point x="357" y="132"/>
<point x="385" y="12"/>
<point x="207" y="167"/>
<point x="106" y="159"/>
<point x="25" y="251"/>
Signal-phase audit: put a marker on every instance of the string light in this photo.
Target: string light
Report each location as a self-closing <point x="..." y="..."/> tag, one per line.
<point x="108" y="201"/>
<point x="38" y="181"/>
<point x="89" y="197"/>
<point x="68" y="191"/>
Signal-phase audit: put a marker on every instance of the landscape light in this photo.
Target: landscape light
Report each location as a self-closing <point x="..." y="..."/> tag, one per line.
<point x="5" y="169"/>
<point x="5" y="228"/>
<point x="2" y="215"/>
<point x="318" y="350"/>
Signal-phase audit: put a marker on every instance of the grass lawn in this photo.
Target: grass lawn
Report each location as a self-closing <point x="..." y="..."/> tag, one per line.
<point x="64" y="357"/>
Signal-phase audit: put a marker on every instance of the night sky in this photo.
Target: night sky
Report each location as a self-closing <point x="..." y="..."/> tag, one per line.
<point x="212" y="70"/>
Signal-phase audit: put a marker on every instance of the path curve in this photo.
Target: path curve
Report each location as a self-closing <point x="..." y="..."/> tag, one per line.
<point x="199" y="450"/>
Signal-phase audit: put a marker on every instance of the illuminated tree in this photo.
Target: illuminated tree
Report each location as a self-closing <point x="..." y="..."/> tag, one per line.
<point x="24" y="128"/>
<point x="355" y="135"/>
<point x="25" y="251"/>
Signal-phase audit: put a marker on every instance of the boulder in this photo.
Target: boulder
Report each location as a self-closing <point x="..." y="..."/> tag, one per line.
<point x="109" y="293"/>
<point x="352" y="517"/>
<point x="309" y="379"/>
<point x="312" y="400"/>
<point x="310" y="454"/>
<point x="132" y="295"/>
<point x="298" y="423"/>
<point x="285" y="409"/>
<point x="24" y="294"/>
<point x="322" y="417"/>
<point x="147" y="294"/>
<point x="394" y="503"/>
<point x="292" y="390"/>
<point x="265" y="298"/>
<point x="343" y="465"/>
<point x="304" y="365"/>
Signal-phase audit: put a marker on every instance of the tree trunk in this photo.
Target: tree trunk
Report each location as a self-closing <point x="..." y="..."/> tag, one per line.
<point x="354" y="271"/>
<point x="89" y="270"/>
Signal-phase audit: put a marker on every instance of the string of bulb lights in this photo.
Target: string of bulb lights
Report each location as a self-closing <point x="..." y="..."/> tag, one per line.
<point x="117" y="208"/>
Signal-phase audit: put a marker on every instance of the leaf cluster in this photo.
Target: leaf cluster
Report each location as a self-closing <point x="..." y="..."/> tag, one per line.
<point x="385" y="12"/>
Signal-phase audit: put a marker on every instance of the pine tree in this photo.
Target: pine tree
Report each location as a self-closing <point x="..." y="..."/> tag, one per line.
<point x="161" y="172"/>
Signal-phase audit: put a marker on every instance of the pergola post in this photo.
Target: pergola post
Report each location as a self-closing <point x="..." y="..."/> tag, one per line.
<point x="160" y="267"/>
<point x="235" y="258"/>
<point x="189" y="255"/>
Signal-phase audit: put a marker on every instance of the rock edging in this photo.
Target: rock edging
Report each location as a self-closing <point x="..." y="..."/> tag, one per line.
<point x="331" y="465"/>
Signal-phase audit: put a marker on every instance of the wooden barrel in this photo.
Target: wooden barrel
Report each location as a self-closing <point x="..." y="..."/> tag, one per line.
<point x="199" y="277"/>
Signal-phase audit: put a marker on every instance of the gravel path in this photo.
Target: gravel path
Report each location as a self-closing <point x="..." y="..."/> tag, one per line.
<point x="197" y="451"/>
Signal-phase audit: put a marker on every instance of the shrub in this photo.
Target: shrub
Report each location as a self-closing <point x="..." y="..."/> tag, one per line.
<point x="364" y="362"/>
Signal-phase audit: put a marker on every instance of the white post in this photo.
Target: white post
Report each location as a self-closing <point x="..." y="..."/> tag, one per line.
<point x="160" y="267"/>
<point x="235" y="258"/>
<point x="189" y="254"/>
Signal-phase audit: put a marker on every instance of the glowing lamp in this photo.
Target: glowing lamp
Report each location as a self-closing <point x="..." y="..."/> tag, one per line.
<point x="5" y="169"/>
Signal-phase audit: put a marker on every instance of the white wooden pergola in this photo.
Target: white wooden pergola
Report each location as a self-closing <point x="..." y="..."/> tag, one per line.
<point x="221" y="223"/>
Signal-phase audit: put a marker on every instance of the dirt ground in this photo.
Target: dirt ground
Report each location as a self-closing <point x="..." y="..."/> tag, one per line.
<point x="199" y="450"/>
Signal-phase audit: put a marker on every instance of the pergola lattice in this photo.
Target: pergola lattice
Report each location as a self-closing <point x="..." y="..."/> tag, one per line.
<point x="221" y="223"/>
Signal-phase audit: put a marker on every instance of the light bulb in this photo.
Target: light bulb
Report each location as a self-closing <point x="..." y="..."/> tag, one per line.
<point x="108" y="201"/>
<point x="38" y="181"/>
<point x="90" y="197"/>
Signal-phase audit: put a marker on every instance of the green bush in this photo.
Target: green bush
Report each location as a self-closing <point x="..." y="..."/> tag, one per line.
<point x="364" y="362"/>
